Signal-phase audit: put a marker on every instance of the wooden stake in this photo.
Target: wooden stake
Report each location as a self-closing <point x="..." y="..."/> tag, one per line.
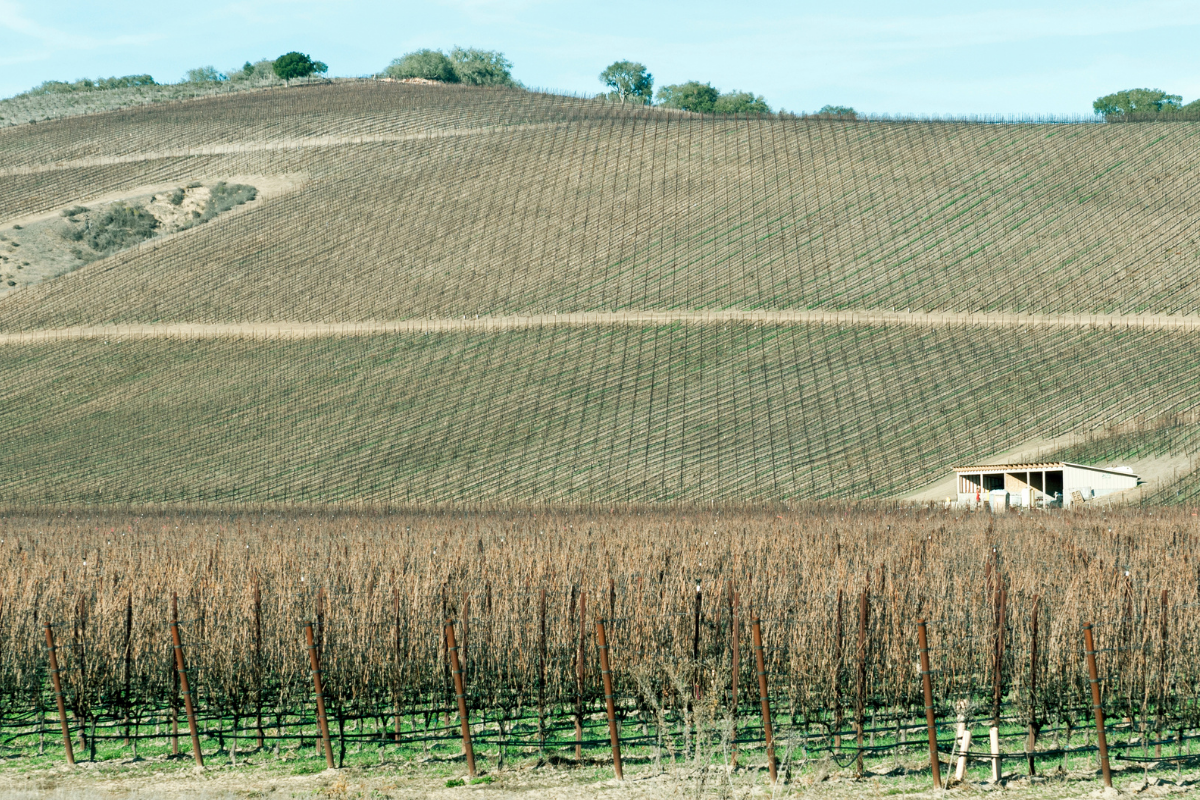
<point x="610" y="705"/>
<point x="181" y="668"/>
<point x="763" y="697"/>
<point x="930" y="718"/>
<point x="456" y="670"/>
<point x="1094" y="680"/>
<point x="58" y="695"/>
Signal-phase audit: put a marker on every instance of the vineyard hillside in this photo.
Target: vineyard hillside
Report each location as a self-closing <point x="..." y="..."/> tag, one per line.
<point x="689" y="258"/>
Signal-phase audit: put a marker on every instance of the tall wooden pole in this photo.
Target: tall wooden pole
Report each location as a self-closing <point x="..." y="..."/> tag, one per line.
<point x="610" y="705"/>
<point x="452" y="647"/>
<point x="181" y="668"/>
<point x="763" y="697"/>
<point x="930" y="718"/>
<point x="58" y="695"/>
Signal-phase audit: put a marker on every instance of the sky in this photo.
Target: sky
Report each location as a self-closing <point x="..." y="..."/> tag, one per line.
<point x="985" y="57"/>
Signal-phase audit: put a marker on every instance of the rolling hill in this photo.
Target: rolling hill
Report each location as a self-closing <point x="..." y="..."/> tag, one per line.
<point x="697" y="296"/>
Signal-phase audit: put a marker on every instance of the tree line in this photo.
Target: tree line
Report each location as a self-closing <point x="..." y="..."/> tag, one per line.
<point x="286" y="67"/>
<point x="1144" y="103"/>
<point x="631" y="82"/>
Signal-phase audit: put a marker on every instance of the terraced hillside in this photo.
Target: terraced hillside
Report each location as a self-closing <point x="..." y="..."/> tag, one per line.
<point x="447" y="203"/>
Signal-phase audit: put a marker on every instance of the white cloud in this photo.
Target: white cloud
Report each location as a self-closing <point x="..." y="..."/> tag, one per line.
<point x="13" y="18"/>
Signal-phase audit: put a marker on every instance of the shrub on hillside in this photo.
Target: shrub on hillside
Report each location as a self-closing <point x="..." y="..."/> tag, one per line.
<point x="1137" y="101"/>
<point x="629" y="81"/>
<point x="221" y="198"/>
<point x="207" y="74"/>
<point x="431" y="65"/>
<point x="837" y="112"/>
<point x="703" y="98"/>
<point x="89" y="85"/>
<point x="482" y="67"/>
<point x="297" y="65"/>
<point x="119" y="227"/>
<point x="736" y="102"/>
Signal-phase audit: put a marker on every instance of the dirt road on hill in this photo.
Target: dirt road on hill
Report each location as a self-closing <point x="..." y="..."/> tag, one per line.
<point x="307" y="330"/>
<point x="257" y="146"/>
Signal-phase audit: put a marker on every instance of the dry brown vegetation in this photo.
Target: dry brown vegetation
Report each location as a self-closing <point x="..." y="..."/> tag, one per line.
<point x="379" y="588"/>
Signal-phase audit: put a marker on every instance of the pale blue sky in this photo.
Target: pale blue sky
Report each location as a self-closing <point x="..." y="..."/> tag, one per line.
<point x="998" y="57"/>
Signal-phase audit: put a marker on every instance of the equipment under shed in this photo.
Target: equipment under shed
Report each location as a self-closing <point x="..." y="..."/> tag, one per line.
<point x="1059" y="483"/>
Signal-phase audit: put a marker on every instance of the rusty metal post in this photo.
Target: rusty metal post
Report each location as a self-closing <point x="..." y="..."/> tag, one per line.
<point x="1033" y="658"/>
<point x="610" y="705"/>
<point x="452" y="648"/>
<point x="181" y="669"/>
<point x="756" y="628"/>
<point x="314" y="659"/>
<point x="930" y="720"/>
<point x="1094" y="680"/>
<point x="58" y="695"/>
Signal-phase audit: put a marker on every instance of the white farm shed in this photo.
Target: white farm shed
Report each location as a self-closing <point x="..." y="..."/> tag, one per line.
<point x="1031" y="485"/>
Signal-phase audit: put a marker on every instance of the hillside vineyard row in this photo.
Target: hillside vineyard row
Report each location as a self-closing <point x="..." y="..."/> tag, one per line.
<point x="604" y="414"/>
<point x="510" y="202"/>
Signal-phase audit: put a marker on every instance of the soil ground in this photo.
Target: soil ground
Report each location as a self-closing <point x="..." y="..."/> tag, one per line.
<point x="177" y="778"/>
<point x="311" y="330"/>
<point x="33" y="249"/>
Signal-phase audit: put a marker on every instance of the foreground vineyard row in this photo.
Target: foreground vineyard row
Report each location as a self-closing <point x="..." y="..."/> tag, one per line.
<point x="615" y="413"/>
<point x="837" y="592"/>
<point x="869" y="317"/>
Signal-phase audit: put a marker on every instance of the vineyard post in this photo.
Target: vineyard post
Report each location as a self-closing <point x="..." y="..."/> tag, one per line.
<point x="579" y="675"/>
<point x="610" y="705"/>
<point x="998" y="683"/>
<point x="861" y="685"/>
<point x="181" y="669"/>
<point x="1033" y="655"/>
<point x="837" y="675"/>
<point x="1162" y="677"/>
<point x="696" y="645"/>
<point x="930" y="721"/>
<point x="456" y="670"/>
<point x="319" y="744"/>
<point x="314" y="658"/>
<point x="125" y="701"/>
<point x="58" y="695"/>
<point x="542" y="672"/>
<point x="396" y="724"/>
<point x="1094" y="679"/>
<point x="756" y="628"/>
<point x="258" y="702"/>
<point x="733" y="698"/>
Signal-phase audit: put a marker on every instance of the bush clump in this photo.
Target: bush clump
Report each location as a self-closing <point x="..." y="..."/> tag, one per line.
<point x="89" y="85"/>
<point x="119" y="227"/>
<point x="464" y="65"/>
<point x="222" y="197"/>
<point x="225" y="196"/>
<point x="431" y="65"/>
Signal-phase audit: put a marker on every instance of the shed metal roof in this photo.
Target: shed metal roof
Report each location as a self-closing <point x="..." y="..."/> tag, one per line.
<point x="1039" y="466"/>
